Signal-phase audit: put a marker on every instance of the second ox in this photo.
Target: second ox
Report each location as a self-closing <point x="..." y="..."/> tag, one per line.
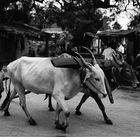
<point x="118" y="73"/>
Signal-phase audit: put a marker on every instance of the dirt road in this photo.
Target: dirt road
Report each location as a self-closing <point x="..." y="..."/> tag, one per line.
<point x="125" y="114"/>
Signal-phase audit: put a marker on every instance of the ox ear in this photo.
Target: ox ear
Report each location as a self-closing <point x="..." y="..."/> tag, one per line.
<point x="108" y="89"/>
<point x="87" y="74"/>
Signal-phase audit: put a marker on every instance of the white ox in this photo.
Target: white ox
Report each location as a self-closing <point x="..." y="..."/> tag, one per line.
<point x="40" y="76"/>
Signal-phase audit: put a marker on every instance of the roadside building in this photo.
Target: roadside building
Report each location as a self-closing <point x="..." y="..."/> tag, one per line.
<point x="17" y="40"/>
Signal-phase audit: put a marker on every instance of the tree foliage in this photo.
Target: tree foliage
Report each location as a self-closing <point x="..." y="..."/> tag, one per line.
<point x="9" y="8"/>
<point x="126" y="10"/>
<point x="78" y="16"/>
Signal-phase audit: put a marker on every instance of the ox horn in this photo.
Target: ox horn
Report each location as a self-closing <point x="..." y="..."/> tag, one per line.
<point x="83" y="60"/>
<point x="92" y="55"/>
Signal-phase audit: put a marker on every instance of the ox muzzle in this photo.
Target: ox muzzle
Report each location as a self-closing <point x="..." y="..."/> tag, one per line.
<point x="97" y="91"/>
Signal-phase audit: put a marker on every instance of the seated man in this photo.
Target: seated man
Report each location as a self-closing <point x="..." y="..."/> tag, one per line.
<point x="112" y="57"/>
<point x="109" y="52"/>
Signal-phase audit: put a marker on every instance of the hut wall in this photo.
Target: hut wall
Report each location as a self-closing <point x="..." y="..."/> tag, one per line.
<point x="137" y="45"/>
<point x="22" y="47"/>
<point x="12" y="47"/>
<point x="7" y="48"/>
<point x="130" y="51"/>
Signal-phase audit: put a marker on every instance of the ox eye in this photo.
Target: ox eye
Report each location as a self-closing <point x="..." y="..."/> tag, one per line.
<point x="127" y="70"/>
<point x="97" y="79"/>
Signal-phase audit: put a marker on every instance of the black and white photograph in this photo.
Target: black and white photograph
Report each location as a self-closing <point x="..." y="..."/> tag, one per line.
<point x="69" y="68"/>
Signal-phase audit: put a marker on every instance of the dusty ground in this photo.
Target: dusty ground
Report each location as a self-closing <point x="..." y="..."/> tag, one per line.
<point x="125" y="114"/>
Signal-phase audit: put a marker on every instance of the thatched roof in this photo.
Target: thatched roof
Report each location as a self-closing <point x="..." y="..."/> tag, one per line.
<point x="24" y="30"/>
<point x="53" y="30"/>
<point x="115" y="32"/>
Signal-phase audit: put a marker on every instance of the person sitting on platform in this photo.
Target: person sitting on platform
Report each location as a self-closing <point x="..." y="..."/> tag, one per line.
<point x="109" y="52"/>
<point x="111" y="56"/>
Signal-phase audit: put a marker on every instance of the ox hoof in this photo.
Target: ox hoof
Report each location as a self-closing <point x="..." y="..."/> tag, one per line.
<point x="78" y="113"/>
<point x="6" y="113"/>
<point x="109" y="122"/>
<point x="62" y="126"/>
<point x="51" y="109"/>
<point x="32" y="122"/>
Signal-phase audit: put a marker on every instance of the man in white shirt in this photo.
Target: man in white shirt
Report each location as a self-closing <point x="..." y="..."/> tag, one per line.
<point x="111" y="57"/>
<point x="108" y="53"/>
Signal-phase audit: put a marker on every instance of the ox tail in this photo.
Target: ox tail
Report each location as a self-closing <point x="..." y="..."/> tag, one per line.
<point x="109" y="92"/>
<point x="7" y="97"/>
